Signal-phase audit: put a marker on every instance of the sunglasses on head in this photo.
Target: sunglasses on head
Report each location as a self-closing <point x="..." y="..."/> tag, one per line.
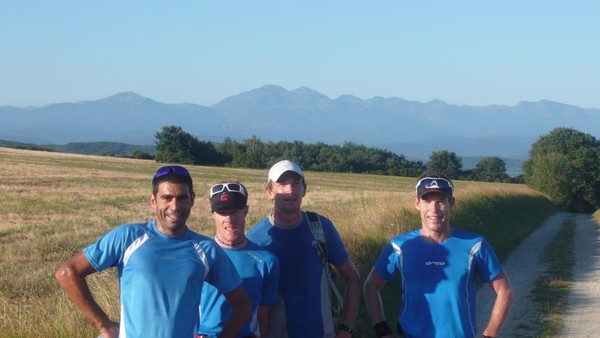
<point x="434" y="182"/>
<point x="175" y="169"/>
<point x="233" y="187"/>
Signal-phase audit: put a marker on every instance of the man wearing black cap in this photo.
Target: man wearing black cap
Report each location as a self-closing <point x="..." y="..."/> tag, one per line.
<point x="161" y="266"/>
<point x="258" y="268"/>
<point x="438" y="266"/>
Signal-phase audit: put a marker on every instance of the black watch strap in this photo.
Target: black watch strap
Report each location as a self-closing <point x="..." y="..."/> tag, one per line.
<point x="346" y="328"/>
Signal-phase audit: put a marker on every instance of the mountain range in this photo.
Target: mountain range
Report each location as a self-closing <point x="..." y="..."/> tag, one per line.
<point x="272" y="113"/>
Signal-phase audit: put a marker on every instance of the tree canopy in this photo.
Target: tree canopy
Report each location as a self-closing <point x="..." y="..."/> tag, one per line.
<point x="564" y="165"/>
<point x="446" y="163"/>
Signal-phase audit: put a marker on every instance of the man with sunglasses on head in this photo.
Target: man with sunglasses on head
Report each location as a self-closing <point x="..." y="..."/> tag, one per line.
<point x="162" y="265"/>
<point x="438" y="266"/>
<point x="303" y="282"/>
<point x="258" y="268"/>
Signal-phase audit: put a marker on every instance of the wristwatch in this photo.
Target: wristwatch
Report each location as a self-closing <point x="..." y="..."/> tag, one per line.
<point x="346" y="328"/>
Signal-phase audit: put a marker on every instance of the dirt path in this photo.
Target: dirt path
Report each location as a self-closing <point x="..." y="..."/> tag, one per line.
<point x="523" y="268"/>
<point x="583" y="312"/>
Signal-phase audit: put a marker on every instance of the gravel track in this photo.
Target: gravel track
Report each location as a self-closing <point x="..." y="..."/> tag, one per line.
<point x="523" y="267"/>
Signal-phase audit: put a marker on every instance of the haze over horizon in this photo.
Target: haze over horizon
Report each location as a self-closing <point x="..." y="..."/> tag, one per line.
<point x="462" y="52"/>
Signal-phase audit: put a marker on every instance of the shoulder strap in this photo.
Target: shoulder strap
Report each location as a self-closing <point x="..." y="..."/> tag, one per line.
<point x="320" y="245"/>
<point x="314" y="221"/>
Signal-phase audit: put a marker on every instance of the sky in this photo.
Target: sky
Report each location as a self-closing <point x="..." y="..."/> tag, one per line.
<point x="462" y="52"/>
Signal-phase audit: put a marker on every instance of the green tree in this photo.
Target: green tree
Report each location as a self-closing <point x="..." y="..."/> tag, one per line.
<point x="141" y="155"/>
<point x="174" y="145"/>
<point x="177" y="146"/>
<point x="490" y="169"/>
<point x="446" y="163"/>
<point x="564" y="165"/>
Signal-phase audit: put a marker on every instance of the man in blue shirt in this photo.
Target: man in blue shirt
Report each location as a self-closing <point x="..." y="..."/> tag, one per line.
<point x="161" y="266"/>
<point x="438" y="266"/>
<point x="303" y="282"/>
<point x="258" y="268"/>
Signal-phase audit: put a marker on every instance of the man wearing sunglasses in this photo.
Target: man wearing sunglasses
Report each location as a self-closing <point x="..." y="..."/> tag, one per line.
<point x="258" y="268"/>
<point x="161" y="266"/>
<point x="438" y="265"/>
<point x="303" y="284"/>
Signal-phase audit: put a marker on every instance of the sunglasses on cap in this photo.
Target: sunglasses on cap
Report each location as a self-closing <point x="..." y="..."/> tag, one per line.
<point x="233" y="187"/>
<point x="175" y="169"/>
<point x="434" y="183"/>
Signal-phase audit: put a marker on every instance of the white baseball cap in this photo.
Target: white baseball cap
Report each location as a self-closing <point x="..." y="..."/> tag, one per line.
<point x="281" y="167"/>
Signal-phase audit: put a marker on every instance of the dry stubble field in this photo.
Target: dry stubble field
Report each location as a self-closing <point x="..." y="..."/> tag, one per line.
<point x="54" y="204"/>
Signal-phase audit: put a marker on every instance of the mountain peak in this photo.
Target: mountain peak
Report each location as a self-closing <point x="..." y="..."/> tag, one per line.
<point x="127" y="98"/>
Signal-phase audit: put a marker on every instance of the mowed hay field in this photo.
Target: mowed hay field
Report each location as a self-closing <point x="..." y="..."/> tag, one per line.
<point x="55" y="204"/>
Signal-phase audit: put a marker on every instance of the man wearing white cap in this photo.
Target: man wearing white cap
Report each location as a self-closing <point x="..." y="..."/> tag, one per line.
<point x="438" y="266"/>
<point x="303" y="282"/>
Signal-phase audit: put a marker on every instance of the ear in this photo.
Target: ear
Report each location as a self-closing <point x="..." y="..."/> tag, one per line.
<point x="270" y="193"/>
<point x="451" y="201"/>
<point x="417" y="202"/>
<point x="152" y="200"/>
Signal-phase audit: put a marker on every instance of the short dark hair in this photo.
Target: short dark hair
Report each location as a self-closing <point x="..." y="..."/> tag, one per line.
<point x="173" y="178"/>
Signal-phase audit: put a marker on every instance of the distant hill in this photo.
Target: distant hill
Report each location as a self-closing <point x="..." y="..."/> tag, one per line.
<point x="87" y="148"/>
<point x="272" y="113"/>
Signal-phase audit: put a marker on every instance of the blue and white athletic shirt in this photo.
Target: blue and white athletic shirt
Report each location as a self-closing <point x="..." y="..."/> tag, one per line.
<point x="161" y="277"/>
<point x="259" y="270"/>
<point x="438" y="281"/>
<point x="302" y="283"/>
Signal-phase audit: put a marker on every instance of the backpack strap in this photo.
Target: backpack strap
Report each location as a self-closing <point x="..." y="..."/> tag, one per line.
<point x="320" y="245"/>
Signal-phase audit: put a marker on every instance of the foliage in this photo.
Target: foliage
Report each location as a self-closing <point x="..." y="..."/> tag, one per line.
<point x="564" y="165"/>
<point x="174" y="145"/>
<point x="141" y="155"/>
<point x="490" y="169"/>
<point x="349" y="157"/>
<point x="446" y="163"/>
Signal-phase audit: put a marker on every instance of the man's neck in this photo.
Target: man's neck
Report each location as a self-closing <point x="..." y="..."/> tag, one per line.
<point x="436" y="237"/>
<point x="238" y="243"/>
<point x="286" y="219"/>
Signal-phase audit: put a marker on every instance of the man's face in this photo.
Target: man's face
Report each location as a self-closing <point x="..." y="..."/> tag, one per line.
<point x="287" y="193"/>
<point x="230" y="224"/>
<point x="172" y="204"/>
<point x="435" y="211"/>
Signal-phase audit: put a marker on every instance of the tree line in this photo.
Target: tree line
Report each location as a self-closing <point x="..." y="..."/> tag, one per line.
<point x="174" y="145"/>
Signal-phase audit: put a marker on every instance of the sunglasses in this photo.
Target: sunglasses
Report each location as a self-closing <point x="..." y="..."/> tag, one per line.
<point x="233" y="187"/>
<point x="434" y="183"/>
<point x="175" y="169"/>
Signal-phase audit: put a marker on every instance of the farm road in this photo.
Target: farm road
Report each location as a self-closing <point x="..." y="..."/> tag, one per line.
<point x="523" y="267"/>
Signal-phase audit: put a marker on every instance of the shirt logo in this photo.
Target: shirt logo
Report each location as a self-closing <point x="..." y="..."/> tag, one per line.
<point x="436" y="263"/>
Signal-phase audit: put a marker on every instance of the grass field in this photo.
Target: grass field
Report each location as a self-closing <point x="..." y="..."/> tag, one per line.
<point x="55" y="204"/>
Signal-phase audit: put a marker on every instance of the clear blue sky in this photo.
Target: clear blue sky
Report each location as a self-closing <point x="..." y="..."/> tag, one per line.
<point x="462" y="52"/>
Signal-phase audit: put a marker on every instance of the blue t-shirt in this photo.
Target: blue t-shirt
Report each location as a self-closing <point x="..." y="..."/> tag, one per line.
<point x="438" y="281"/>
<point x="259" y="270"/>
<point x="302" y="283"/>
<point x="161" y="277"/>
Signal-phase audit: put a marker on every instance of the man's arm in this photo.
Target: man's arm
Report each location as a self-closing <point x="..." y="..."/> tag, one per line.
<point x="352" y="296"/>
<point x="240" y="312"/>
<point x="504" y="298"/>
<point x="71" y="277"/>
<point x="372" y="289"/>
<point x="263" y="318"/>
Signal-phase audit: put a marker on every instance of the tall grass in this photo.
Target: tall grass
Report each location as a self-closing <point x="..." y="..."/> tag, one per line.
<point x="55" y="204"/>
